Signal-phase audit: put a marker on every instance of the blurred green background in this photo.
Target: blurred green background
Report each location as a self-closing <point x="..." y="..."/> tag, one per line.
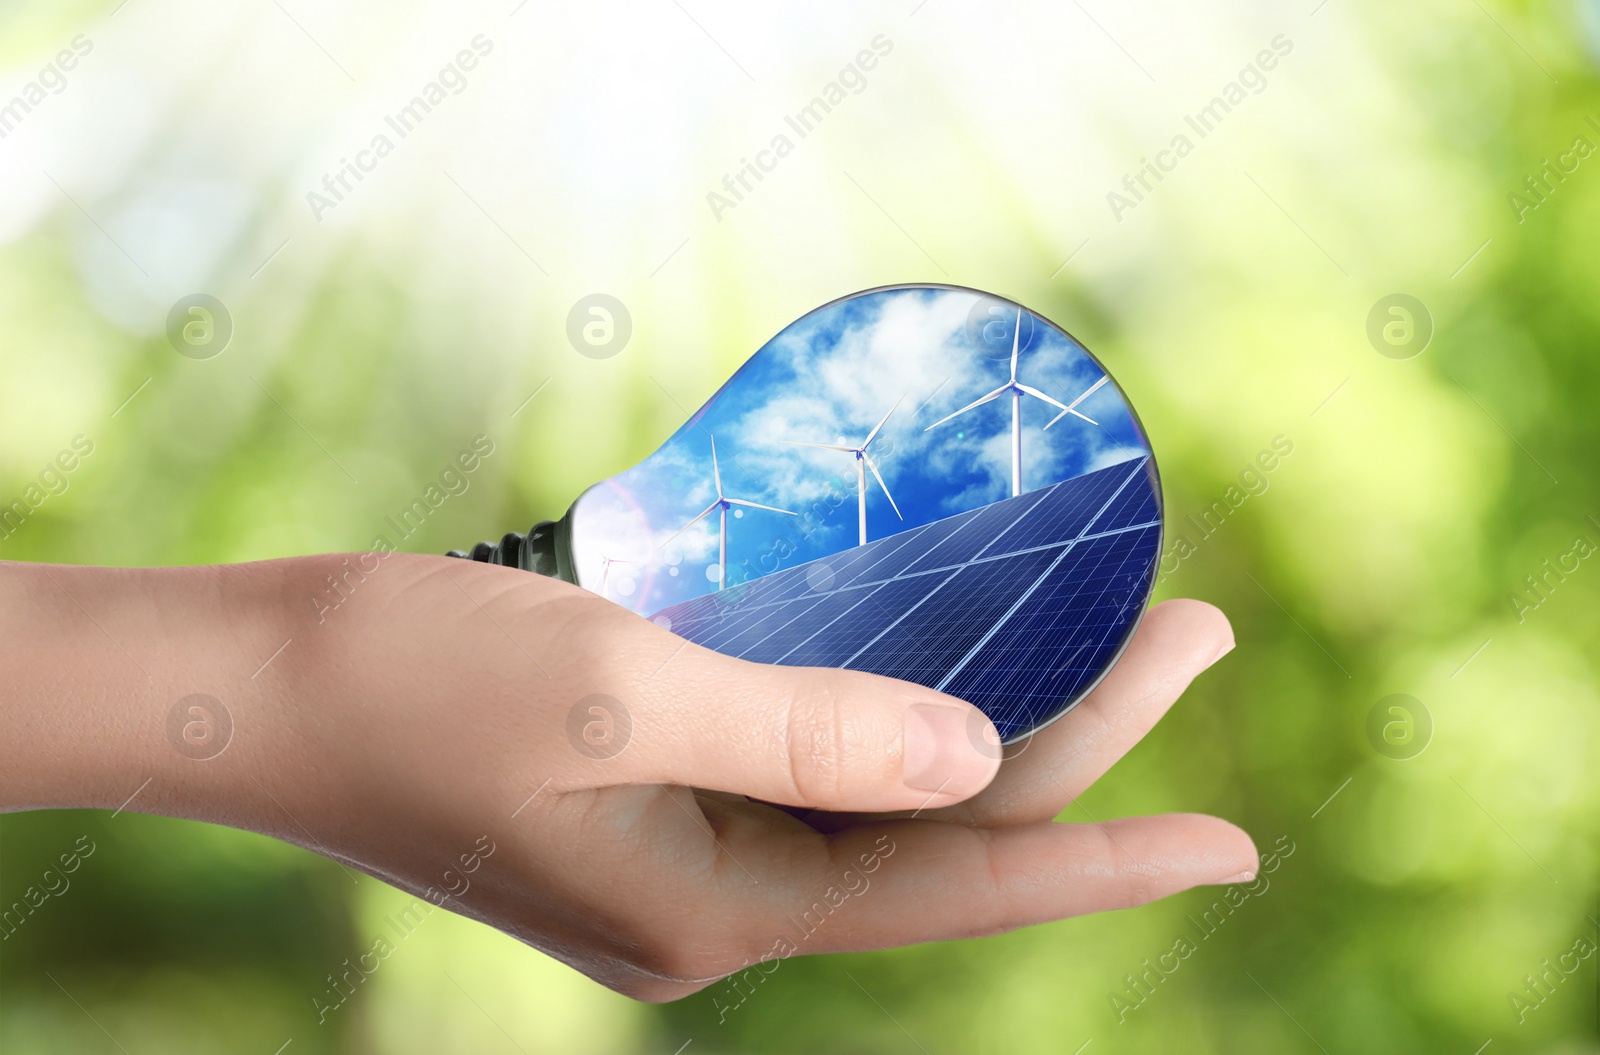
<point x="1379" y="155"/>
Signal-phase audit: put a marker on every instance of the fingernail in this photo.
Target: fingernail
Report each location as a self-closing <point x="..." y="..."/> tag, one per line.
<point x="1223" y="651"/>
<point x="938" y="755"/>
<point x="1242" y="877"/>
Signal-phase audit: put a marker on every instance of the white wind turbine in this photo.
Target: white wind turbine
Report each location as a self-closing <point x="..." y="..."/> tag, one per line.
<point x="863" y="463"/>
<point x="1018" y="390"/>
<point x="721" y="507"/>
<point x="605" y="569"/>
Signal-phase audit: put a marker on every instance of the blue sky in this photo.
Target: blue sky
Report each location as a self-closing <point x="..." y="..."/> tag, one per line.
<point x="829" y="378"/>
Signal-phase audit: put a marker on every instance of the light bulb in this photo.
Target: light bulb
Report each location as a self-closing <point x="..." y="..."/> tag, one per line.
<point x="927" y="482"/>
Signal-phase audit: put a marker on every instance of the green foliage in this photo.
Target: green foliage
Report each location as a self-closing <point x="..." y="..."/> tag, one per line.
<point x="1389" y="553"/>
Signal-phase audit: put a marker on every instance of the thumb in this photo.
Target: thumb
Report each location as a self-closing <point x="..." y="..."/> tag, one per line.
<point x="805" y="736"/>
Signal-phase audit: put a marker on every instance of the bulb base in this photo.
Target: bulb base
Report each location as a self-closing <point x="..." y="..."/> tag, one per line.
<point x="546" y="549"/>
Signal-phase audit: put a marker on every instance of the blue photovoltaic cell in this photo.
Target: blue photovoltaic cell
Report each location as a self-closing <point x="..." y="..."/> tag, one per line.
<point x="867" y="570"/>
<point x="734" y="634"/>
<point x="944" y="627"/>
<point x="843" y="638"/>
<point x="832" y="573"/>
<point x="975" y="536"/>
<point x="1060" y="641"/>
<point x="904" y="556"/>
<point x="1018" y="607"/>
<point x="1133" y="505"/>
<point x="1060" y="515"/>
<point x="778" y="585"/>
<point x="787" y="584"/>
<point x="698" y="608"/>
<point x="811" y="616"/>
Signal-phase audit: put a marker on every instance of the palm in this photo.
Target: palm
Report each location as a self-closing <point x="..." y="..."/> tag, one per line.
<point x="755" y="881"/>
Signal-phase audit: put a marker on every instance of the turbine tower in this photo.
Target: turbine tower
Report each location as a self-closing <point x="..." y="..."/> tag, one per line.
<point x="721" y="507"/>
<point x="1018" y="390"/>
<point x="863" y="463"/>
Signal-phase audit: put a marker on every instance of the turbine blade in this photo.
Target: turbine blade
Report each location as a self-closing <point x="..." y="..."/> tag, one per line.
<point x="716" y="473"/>
<point x="820" y="446"/>
<point x="996" y="394"/>
<point x="758" y="505"/>
<point x="879" y="476"/>
<point x="1075" y="414"/>
<point x="1035" y="393"/>
<point x="886" y="417"/>
<point x="1073" y="409"/>
<point x="708" y="511"/>
<point x="1016" y="338"/>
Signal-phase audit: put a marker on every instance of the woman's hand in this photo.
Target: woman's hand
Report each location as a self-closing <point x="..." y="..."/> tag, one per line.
<point x="518" y="750"/>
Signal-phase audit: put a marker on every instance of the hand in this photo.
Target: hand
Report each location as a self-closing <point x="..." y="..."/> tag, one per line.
<point x="525" y="753"/>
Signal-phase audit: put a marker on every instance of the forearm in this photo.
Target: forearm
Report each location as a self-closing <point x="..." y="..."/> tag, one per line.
<point x="96" y="660"/>
<point x="343" y="690"/>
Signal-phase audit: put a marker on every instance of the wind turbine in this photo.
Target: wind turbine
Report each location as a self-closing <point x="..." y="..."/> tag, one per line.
<point x="1018" y="390"/>
<point x="721" y="507"/>
<point x="605" y="569"/>
<point x="863" y="463"/>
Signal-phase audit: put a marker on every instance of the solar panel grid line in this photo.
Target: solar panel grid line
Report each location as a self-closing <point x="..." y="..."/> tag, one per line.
<point x="1067" y="505"/>
<point x="989" y="558"/>
<point x="1121" y="487"/>
<point x="1018" y="603"/>
<point x="1007" y="676"/>
<point x="774" y="584"/>
<point x="859" y="573"/>
<point x="730" y="630"/>
<point x="759" y="651"/>
<point x="920" y="648"/>
<point x="803" y="575"/>
<point x="850" y="568"/>
<point x="980" y="555"/>
<point x="1067" y="681"/>
<point x="1138" y="499"/>
<point x="920" y="602"/>
<point x="1082" y="532"/>
<point x="1015" y="715"/>
<point x="995" y="629"/>
<point x="930" y="537"/>
<point x="716" y="607"/>
<point x="1137" y="464"/>
<point x="874" y="588"/>
<point x="710" y="631"/>
<point x="868" y="592"/>
<point x="1010" y="512"/>
<point x="785" y="615"/>
<point x="813" y="650"/>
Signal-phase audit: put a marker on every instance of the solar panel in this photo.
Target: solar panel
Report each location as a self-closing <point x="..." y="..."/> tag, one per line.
<point x="977" y="533"/>
<point x="1065" y="635"/>
<point x="946" y="623"/>
<point x="839" y="640"/>
<point x="1018" y="607"/>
